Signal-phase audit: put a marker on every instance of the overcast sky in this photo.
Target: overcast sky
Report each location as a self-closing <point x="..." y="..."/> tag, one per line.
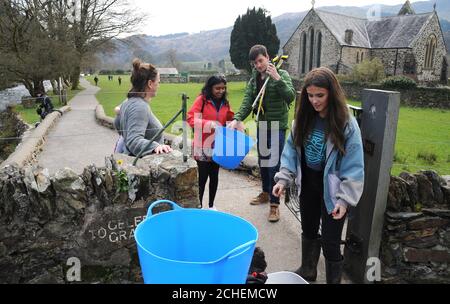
<point x="175" y="16"/>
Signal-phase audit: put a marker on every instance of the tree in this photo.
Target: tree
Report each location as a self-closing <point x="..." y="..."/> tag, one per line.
<point x="44" y="39"/>
<point x="172" y="59"/>
<point x="95" y="22"/>
<point x="368" y="71"/>
<point x="221" y="65"/>
<point x="139" y="51"/>
<point x="33" y="42"/>
<point x="255" y="27"/>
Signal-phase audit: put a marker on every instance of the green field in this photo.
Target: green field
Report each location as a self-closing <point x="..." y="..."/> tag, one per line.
<point x="30" y="115"/>
<point x="423" y="137"/>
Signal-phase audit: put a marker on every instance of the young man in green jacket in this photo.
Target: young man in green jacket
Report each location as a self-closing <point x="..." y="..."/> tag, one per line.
<point x="272" y="121"/>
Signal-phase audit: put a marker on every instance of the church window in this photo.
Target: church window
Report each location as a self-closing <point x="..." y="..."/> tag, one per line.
<point x="430" y="52"/>
<point x="311" y="48"/>
<point x="319" y="49"/>
<point x="303" y="53"/>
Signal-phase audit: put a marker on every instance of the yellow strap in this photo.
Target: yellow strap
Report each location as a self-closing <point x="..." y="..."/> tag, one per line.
<point x="260" y="107"/>
<point x="279" y="63"/>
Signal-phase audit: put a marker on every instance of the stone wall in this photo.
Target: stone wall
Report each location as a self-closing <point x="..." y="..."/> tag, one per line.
<point x="229" y="78"/>
<point x="351" y="55"/>
<point x="415" y="246"/>
<point x="10" y="127"/>
<point x="392" y="59"/>
<point x="173" y="79"/>
<point x="46" y="220"/>
<point x="419" y="97"/>
<point x="28" y="149"/>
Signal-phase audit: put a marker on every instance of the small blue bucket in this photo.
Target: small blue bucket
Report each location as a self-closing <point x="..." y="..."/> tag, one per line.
<point x="194" y="246"/>
<point x="230" y="147"/>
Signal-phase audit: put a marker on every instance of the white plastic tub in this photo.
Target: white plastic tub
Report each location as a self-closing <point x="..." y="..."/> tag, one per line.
<point x="285" y="277"/>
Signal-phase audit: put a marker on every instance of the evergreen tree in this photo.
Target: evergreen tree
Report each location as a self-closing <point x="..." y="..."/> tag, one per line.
<point x="255" y="27"/>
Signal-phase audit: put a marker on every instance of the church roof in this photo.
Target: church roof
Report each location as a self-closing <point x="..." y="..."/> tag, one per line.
<point x="338" y="24"/>
<point x="386" y="32"/>
<point x="398" y="31"/>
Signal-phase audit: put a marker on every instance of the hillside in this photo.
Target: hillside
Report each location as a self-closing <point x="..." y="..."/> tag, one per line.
<point x="212" y="46"/>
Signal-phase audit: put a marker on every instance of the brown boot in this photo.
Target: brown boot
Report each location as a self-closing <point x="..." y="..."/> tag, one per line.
<point x="262" y="198"/>
<point x="274" y="215"/>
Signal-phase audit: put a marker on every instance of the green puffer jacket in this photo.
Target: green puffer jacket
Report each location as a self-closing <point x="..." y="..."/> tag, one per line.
<point x="277" y="99"/>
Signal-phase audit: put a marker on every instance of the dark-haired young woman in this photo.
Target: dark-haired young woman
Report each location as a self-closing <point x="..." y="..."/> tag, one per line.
<point x="210" y="109"/>
<point x="324" y="157"/>
<point x="136" y="121"/>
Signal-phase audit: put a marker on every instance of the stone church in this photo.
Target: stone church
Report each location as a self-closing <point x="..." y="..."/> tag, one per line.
<point x="408" y="44"/>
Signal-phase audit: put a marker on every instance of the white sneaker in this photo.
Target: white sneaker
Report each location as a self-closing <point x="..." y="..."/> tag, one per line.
<point x="213" y="208"/>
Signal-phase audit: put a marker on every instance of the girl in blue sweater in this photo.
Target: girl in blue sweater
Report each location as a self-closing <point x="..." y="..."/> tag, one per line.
<point x="323" y="156"/>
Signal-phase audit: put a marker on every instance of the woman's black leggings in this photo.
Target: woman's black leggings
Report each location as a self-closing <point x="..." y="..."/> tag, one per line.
<point x="205" y="170"/>
<point x="313" y="210"/>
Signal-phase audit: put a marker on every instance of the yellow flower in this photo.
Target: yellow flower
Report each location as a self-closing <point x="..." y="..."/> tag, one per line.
<point x="120" y="162"/>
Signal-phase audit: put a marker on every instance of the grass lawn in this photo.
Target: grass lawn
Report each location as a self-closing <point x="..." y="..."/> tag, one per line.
<point x="31" y="117"/>
<point x="423" y="137"/>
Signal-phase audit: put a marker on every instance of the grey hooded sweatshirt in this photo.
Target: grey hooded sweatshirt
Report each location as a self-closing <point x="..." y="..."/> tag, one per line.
<point x="137" y="124"/>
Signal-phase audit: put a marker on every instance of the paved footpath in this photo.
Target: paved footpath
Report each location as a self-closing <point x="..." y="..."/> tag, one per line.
<point x="280" y="241"/>
<point x="78" y="141"/>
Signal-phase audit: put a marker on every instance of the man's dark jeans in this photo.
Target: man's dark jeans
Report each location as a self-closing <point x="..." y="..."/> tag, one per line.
<point x="269" y="157"/>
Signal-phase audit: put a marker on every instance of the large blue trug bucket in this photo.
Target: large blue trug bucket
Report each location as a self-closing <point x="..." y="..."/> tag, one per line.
<point x="194" y="246"/>
<point x="230" y="147"/>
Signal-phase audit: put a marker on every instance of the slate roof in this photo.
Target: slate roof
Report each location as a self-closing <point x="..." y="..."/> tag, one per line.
<point x="338" y="24"/>
<point x="398" y="31"/>
<point x="386" y="32"/>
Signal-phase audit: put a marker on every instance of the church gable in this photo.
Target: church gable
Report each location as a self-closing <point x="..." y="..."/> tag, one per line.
<point x="429" y="49"/>
<point x="311" y="45"/>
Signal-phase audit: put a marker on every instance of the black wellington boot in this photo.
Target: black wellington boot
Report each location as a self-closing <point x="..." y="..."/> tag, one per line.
<point x="334" y="271"/>
<point x="310" y="258"/>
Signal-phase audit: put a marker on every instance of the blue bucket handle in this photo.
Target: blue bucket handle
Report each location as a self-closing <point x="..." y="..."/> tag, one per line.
<point x="154" y="204"/>
<point x="232" y="253"/>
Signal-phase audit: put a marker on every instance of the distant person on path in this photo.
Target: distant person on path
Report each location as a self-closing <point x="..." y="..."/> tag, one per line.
<point x="136" y="121"/>
<point x="120" y="80"/>
<point x="96" y="81"/>
<point x="45" y="105"/>
<point x="272" y="124"/>
<point x="323" y="156"/>
<point x="209" y="110"/>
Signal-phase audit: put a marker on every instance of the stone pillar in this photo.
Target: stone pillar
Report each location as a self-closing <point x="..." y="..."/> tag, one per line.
<point x="365" y="222"/>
